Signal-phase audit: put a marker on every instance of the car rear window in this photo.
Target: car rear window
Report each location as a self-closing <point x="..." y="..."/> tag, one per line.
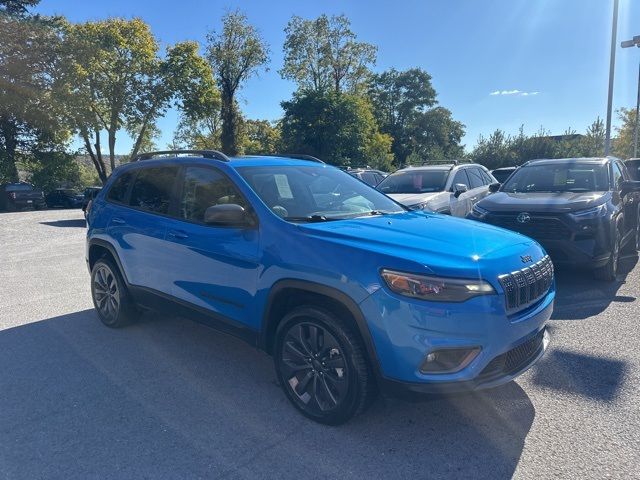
<point x="20" y="187"/>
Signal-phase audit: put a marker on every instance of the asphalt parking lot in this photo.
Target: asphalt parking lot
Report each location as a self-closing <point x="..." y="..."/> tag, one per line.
<point x="167" y="398"/>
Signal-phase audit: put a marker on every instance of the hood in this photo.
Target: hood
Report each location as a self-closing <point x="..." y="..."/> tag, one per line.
<point x="441" y="244"/>
<point x="560" y="202"/>
<point x="409" y="199"/>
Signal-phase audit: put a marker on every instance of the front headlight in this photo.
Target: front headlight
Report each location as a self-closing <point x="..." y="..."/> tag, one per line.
<point x="588" y="213"/>
<point x="435" y="289"/>
<point x="479" y="211"/>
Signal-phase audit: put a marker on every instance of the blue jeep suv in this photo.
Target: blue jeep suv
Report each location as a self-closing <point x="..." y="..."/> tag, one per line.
<point x="347" y="290"/>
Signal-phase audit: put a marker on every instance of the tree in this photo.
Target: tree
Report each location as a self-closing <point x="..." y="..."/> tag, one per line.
<point x="338" y="128"/>
<point x="28" y="111"/>
<point x="324" y="54"/>
<point x="623" y="143"/>
<point x="114" y="79"/>
<point x="260" y="137"/>
<point x="236" y="53"/>
<point x="405" y="107"/>
<point x="17" y="7"/>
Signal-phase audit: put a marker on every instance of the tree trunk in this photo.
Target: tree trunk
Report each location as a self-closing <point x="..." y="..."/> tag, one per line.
<point x="112" y="148"/>
<point x="143" y="130"/>
<point x="9" y="132"/>
<point x="96" y="159"/>
<point x="229" y="134"/>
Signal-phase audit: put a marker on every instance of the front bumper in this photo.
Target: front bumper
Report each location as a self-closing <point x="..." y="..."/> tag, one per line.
<point x="405" y="331"/>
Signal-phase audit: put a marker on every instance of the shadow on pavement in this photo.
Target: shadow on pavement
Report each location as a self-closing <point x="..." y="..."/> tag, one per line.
<point x="580" y="296"/>
<point x="592" y="377"/>
<point x="169" y="398"/>
<point x="75" y="222"/>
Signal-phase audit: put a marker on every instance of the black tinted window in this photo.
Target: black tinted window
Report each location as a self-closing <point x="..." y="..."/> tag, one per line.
<point x="487" y="178"/>
<point x="475" y="177"/>
<point x="617" y="176"/>
<point x="120" y="187"/>
<point x="152" y="189"/>
<point x="370" y="178"/>
<point x="203" y="188"/>
<point x="414" y="181"/>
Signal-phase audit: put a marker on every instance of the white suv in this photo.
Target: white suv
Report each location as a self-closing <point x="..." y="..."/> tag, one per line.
<point x="452" y="188"/>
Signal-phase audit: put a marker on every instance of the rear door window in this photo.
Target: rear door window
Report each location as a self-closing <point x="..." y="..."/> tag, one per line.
<point x="153" y="188"/>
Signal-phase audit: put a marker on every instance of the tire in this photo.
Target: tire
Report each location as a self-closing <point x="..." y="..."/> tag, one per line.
<point x="317" y="351"/>
<point x="609" y="272"/>
<point x="633" y="246"/>
<point x="110" y="296"/>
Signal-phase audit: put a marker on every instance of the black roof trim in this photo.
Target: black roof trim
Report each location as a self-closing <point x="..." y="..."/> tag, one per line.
<point x="212" y="154"/>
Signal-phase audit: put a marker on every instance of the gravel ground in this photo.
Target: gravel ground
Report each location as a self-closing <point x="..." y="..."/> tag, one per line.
<point x="167" y="398"/>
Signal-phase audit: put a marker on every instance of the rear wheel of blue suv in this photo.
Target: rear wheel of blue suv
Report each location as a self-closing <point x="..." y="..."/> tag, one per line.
<point x="351" y="293"/>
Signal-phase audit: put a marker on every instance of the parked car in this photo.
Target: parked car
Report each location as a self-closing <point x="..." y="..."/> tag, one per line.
<point x="584" y="211"/>
<point x="633" y="166"/>
<point x="501" y="174"/>
<point x="347" y="290"/>
<point x="64" y="198"/>
<point x="87" y="197"/>
<point x="450" y="188"/>
<point x="19" y="195"/>
<point x="367" y="175"/>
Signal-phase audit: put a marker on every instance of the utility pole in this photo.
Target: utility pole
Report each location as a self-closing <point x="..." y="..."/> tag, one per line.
<point x="612" y="65"/>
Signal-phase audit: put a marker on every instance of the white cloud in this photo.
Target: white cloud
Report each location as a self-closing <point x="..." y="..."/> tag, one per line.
<point x="518" y="93"/>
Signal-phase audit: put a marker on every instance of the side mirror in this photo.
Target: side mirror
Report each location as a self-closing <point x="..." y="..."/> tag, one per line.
<point x="494" y="187"/>
<point x="459" y="189"/>
<point x="226" y="214"/>
<point x="629" y="186"/>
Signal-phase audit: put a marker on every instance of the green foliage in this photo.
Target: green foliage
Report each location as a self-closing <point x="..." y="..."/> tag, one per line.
<point x="623" y="143"/>
<point x="404" y="105"/>
<point x="502" y="150"/>
<point x="52" y="169"/>
<point x="324" y="54"/>
<point x="236" y="54"/>
<point x="338" y="128"/>
<point x="17" y="7"/>
<point x="29" y="48"/>
<point x="260" y="137"/>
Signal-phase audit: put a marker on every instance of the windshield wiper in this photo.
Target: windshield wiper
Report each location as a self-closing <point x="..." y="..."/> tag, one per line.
<point x="310" y="219"/>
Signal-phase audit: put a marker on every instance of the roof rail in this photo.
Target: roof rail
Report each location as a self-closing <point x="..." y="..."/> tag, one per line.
<point x="440" y="162"/>
<point x="298" y="156"/>
<point x="213" y="154"/>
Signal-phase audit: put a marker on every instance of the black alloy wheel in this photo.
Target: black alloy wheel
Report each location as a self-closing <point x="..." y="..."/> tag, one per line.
<point x="109" y="295"/>
<point x="322" y="367"/>
<point x="609" y="272"/>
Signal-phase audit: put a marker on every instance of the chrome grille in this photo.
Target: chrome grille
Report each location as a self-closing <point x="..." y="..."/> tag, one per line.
<point x="524" y="287"/>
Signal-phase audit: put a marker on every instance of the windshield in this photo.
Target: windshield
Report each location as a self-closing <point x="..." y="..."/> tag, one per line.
<point x="562" y="177"/>
<point x="423" y="181"/>
<point x="310" y="193"/>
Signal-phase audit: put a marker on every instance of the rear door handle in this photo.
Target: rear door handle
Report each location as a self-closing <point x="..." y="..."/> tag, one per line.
<point x="117" y="220"/>
<point x="178" y="234"/>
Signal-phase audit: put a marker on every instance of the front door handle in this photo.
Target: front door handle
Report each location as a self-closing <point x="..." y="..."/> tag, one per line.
<point x="118" y="220"/>
<point x="179" y="234"/>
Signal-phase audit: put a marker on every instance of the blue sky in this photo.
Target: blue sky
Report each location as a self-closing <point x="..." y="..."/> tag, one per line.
<point x="545" y="61"/>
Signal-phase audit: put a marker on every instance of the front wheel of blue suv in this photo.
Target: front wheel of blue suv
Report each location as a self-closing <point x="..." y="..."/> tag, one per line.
<point x="322" y="366"/>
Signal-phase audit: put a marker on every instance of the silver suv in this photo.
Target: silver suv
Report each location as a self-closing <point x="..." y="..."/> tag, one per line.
<point x="452" y="187"/>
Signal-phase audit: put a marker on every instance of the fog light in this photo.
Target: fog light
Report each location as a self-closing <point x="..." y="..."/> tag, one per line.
<point x="448" y="360"/>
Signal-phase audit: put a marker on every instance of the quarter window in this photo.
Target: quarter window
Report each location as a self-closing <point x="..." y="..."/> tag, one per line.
<point x="120" y="187"/>
<point x="153" y="188"/>
<point x="617" y="176"/>
<point x="203" y="188"/>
